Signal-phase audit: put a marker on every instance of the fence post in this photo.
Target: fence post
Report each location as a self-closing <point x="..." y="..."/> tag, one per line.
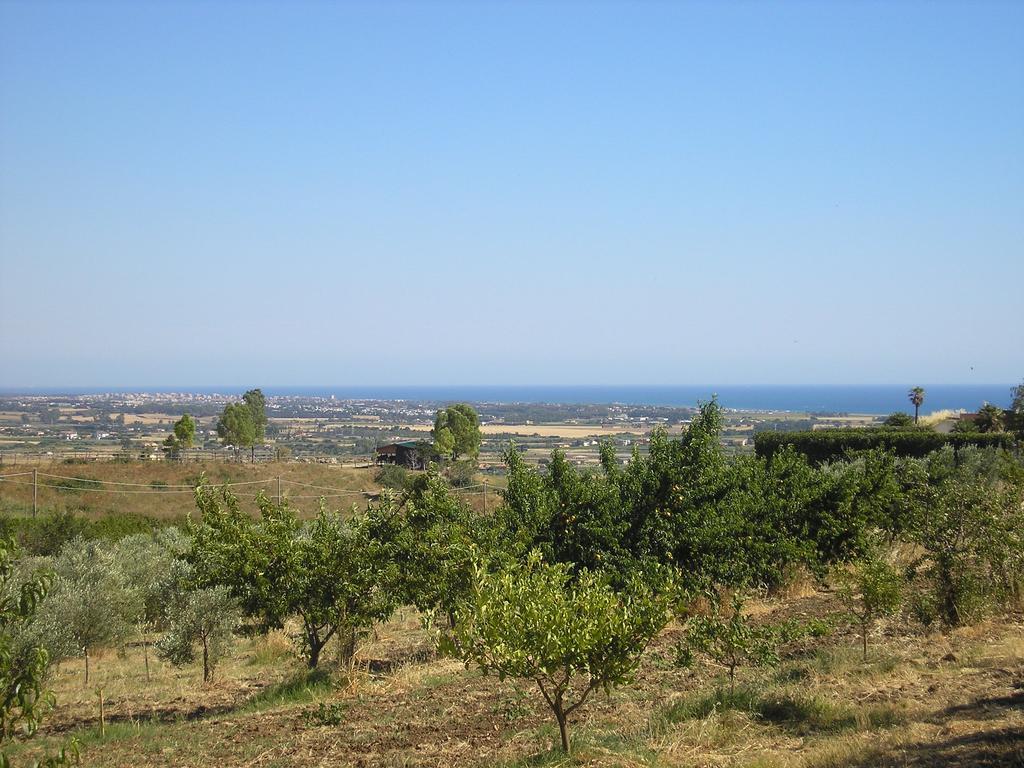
<point x="103" y="720"/>
<point x="279" y="490"/>
<point x="35" y="491"/>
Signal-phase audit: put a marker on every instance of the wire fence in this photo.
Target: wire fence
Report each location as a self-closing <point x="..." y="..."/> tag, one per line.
<point x="192" y="455"/>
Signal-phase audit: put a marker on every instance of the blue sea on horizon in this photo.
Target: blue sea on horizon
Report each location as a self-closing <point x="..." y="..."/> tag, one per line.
<point x="873" y="399"/>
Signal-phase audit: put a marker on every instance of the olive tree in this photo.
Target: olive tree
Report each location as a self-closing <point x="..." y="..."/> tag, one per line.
<point x="91" y="601"/>
<point x="147" y="561"/>
<point x="197" y="617"/>
<point x="570" y="635"/>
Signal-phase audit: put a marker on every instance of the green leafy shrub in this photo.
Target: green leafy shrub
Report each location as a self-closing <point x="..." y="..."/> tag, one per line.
<point x="332" y="714"/>
<point x="47" y="534"/>
<point x="973" y="535"/>
<point x="899" y="419"/>
<point x="75" y="484"/>
<point x="393" y="476"/>
<point x="24" y="702"/>
<point x="461" y="474"/>
<point x="729" y="637"/>
<point x="871" y="589"/>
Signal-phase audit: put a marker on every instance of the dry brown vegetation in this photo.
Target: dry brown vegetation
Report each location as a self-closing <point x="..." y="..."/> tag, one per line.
<point x="148" y="488"/>
<point x="921" y="700"/>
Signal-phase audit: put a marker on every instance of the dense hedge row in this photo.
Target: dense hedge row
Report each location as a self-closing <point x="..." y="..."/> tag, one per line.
<point x="52" y="529"/>
<point x="831" y="444"/>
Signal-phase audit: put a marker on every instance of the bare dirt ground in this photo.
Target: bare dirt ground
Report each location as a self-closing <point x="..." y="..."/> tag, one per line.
<point x="920" y="700"/>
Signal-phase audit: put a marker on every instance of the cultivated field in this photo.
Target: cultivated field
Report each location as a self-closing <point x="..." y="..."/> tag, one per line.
<point x="921" y="699"/>
<point x="569" y="431"/>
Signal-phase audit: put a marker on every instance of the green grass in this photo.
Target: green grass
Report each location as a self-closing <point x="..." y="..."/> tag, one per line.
<point x="792" y="711"/>
<point x="839" y="661"/>
<point x="300" y="688"/>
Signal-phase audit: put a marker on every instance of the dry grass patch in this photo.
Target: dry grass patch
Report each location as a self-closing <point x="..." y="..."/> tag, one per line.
<point x="921" y="700"/>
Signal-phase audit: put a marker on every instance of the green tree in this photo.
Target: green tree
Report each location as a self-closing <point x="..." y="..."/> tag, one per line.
<point x="571" y="635"/>
<point x="989" y="419"/>
<point x="435" y="536"/>
<point x="444" y="442"/>
<point x="91" y="601"/>
<point x="145" y="560"/>
<point x="871" y="589"/>
<point x="235" y="427"/>
<point x="916" y="397"/>
<point x="1016" y="420"/>
<point x="331" y="574"/>
<point x="185" y="432"/>
<point x="964" y="427"/>
<point x="462" y="421"/>
<point x="203" y="617"/>
<point x="898" y="419"/>
<point x="729" y="637"/>
<point x="257" y="405"/>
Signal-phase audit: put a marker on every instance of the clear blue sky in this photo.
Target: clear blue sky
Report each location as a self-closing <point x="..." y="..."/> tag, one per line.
<point x="440" y="193"/>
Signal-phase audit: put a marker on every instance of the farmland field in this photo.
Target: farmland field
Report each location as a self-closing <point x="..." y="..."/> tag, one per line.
<point x="920" y="700"/>
<point x="724" y="609"/>
<point x="547" y="430"/>
<point x="157" y="489"/>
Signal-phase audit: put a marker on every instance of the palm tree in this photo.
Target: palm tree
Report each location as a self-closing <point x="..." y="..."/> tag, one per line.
<point x="989" y="419"/>
<point x="916" y="396"/>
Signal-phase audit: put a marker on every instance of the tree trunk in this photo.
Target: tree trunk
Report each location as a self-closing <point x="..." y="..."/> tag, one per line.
<point x="916" y="409"/>
<point x="348" y="651"/>
<point x="252" y="453"/>
<point x="864" y="639"/>
<point x="563" y="725"/>
<point x="315" y="646"/>
<point x="316" y="643"/>
<point x="85" y="652"/>
<point x="145" y="656"/>
<point x="206" y="660"/>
